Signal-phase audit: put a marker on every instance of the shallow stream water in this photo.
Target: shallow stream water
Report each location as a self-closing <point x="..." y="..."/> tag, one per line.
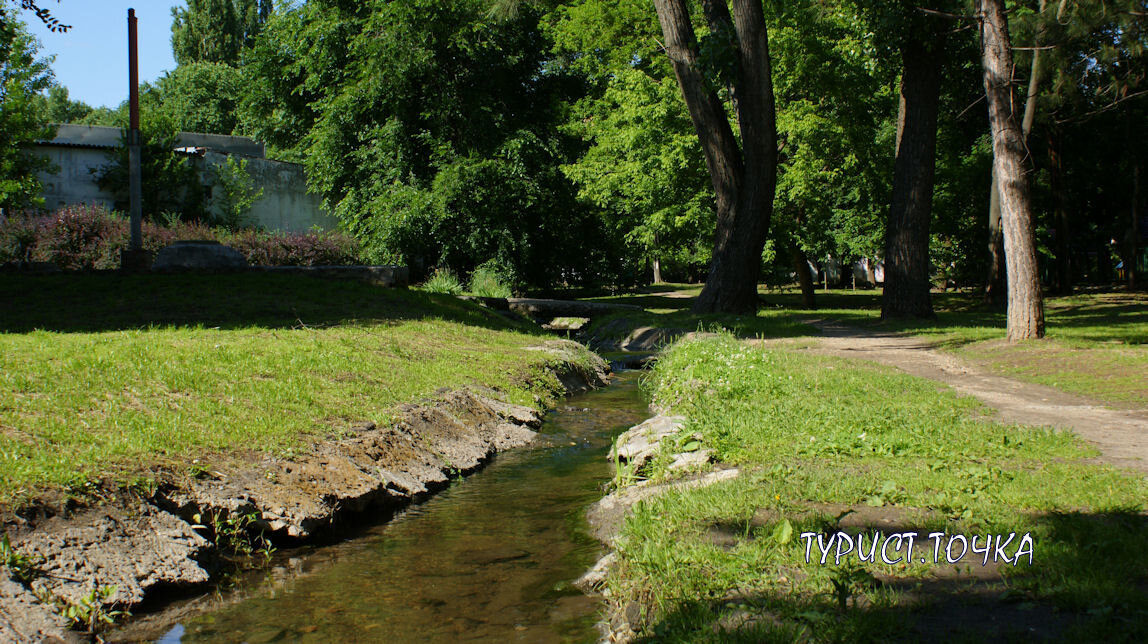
<point x="491" y="558"/>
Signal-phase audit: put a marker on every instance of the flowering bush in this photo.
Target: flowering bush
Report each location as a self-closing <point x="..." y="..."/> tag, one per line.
<point x="91" y="237"/>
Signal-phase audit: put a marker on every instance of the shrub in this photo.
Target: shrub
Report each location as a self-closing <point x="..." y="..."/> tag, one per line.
<point x="91" y="237"/>
<point x="489" y="281"/>
<point x="18" y="237"/>
<point x="294" y="249"/>
<point x="443" y="281"/>
<point x="82" y="237"/>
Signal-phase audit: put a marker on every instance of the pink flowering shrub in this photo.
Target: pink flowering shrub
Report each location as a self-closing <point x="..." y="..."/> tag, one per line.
<point x="91" y="237"/>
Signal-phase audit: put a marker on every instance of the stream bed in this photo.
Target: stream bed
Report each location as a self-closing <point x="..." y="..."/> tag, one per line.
<point x="491" y="558"/>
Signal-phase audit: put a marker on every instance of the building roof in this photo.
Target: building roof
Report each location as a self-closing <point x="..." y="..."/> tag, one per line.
<point x="101" y="137"/>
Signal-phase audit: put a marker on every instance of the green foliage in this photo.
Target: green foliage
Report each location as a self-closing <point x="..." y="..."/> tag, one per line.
<point x="489" y="280"/>
<point x="428" y="130"/>
<point x="235" y="192"/>
<point x="444" y="282"/>
<point x="60" y="108"/>
<point x="22" y="77"/>
<point x="216" y="31"/>
<point x="170" y="182"/>
<point x="200" y="97"/>
<point x="645" y="169"/>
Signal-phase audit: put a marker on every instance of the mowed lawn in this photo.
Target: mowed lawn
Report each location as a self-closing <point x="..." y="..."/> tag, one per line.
<point x="104" y="377"/>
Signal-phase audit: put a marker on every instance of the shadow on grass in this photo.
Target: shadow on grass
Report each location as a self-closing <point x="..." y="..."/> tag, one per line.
<point x="1088" y="582"/>
<point x="962" y="317"/>
<point x="90" y="302"/>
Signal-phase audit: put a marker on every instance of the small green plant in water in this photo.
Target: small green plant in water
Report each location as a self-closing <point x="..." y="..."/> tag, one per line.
<point x="443" y="281"/>
<point x="94" y="611"/>
<point x="624" y="474"/>
<point x="236" y="534"/>
<point x="22" y="567"/>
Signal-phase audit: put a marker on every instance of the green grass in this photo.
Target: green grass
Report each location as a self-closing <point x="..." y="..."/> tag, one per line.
<point x="809" y="430"/>
<point x="107" y="377"/>
<point x="1097" y="343"/>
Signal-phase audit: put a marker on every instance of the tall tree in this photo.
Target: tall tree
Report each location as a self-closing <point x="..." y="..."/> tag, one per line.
<point x="744" y="177"/>
<point x="907" y="270"/>
<point x="22" y="121"/>
<point x="216" y="31"/>
<point x="1025" y="299"/>
<point x="995" y="285"/>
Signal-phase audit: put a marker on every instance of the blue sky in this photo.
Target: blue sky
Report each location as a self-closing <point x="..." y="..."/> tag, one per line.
<point x="92" y="58"/>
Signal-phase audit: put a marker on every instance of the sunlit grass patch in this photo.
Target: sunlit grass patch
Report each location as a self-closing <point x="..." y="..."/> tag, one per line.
<point x="277" y="365"/>
<point x="812" y="432"/>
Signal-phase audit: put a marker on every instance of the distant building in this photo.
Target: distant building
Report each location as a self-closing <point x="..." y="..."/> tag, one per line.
<point x="78" y="150"/>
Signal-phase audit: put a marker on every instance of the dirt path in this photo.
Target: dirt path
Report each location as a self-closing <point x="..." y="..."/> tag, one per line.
<point x="1121" y="436"/>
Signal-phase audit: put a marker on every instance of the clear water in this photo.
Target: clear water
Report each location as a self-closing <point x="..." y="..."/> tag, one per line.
<point x="489" y="559"/>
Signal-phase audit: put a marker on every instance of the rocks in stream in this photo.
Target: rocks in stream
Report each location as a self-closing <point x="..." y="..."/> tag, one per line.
<point x="634" y="450"/>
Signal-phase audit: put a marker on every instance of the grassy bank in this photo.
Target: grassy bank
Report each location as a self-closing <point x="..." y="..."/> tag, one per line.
<point x="824" y="444"/>
<point x="110" y="378"/>
<point x="1097" y="343"/>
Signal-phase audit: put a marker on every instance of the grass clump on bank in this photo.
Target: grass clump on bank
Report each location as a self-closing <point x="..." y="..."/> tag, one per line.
<point x="110" y="377"/>
<point x="822" y="439"/>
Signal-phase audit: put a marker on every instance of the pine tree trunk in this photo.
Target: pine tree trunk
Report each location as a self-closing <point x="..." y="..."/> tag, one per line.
<point x="995" y="286"/>
<point x="907" y="281"/>
<point x="743" y="178"/>
<point x="1025" y="299"/>
<point x="804" y="278"/>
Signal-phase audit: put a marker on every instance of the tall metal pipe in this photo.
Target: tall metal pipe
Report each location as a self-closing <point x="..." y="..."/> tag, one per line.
<point x="134" y="160"/>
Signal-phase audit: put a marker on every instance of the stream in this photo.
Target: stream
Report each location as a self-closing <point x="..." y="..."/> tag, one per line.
<point x="491" y="558"/>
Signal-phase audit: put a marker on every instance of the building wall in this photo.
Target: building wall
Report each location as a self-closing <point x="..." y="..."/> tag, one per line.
<point x="285" y="205"/>
<point x="75" y="182"/>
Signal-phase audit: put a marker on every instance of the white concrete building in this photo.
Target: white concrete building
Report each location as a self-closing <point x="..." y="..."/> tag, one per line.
<point x="79" y="151"/>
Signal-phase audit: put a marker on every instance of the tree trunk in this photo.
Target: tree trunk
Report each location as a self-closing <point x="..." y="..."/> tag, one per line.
<point x="657" y="271"/>
<point x="743" y="179"/>
<point x="1060" y="208"/>
<point x="907" y="281"/>
<point x="996" y="280"/>
<point x="801" y="266"/>
<point x="1025" y="300"/>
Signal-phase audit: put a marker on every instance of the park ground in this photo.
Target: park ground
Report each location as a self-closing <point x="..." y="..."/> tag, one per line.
<point x="111" y="382"/>
<point x="838" y="421"/>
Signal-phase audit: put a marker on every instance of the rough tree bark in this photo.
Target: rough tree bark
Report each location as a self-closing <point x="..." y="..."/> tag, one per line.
<point x="1025" y="299"/>
<point x="743" y="178"/>
<point x="906" y="292"/>
<point x="995" y="285"/>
